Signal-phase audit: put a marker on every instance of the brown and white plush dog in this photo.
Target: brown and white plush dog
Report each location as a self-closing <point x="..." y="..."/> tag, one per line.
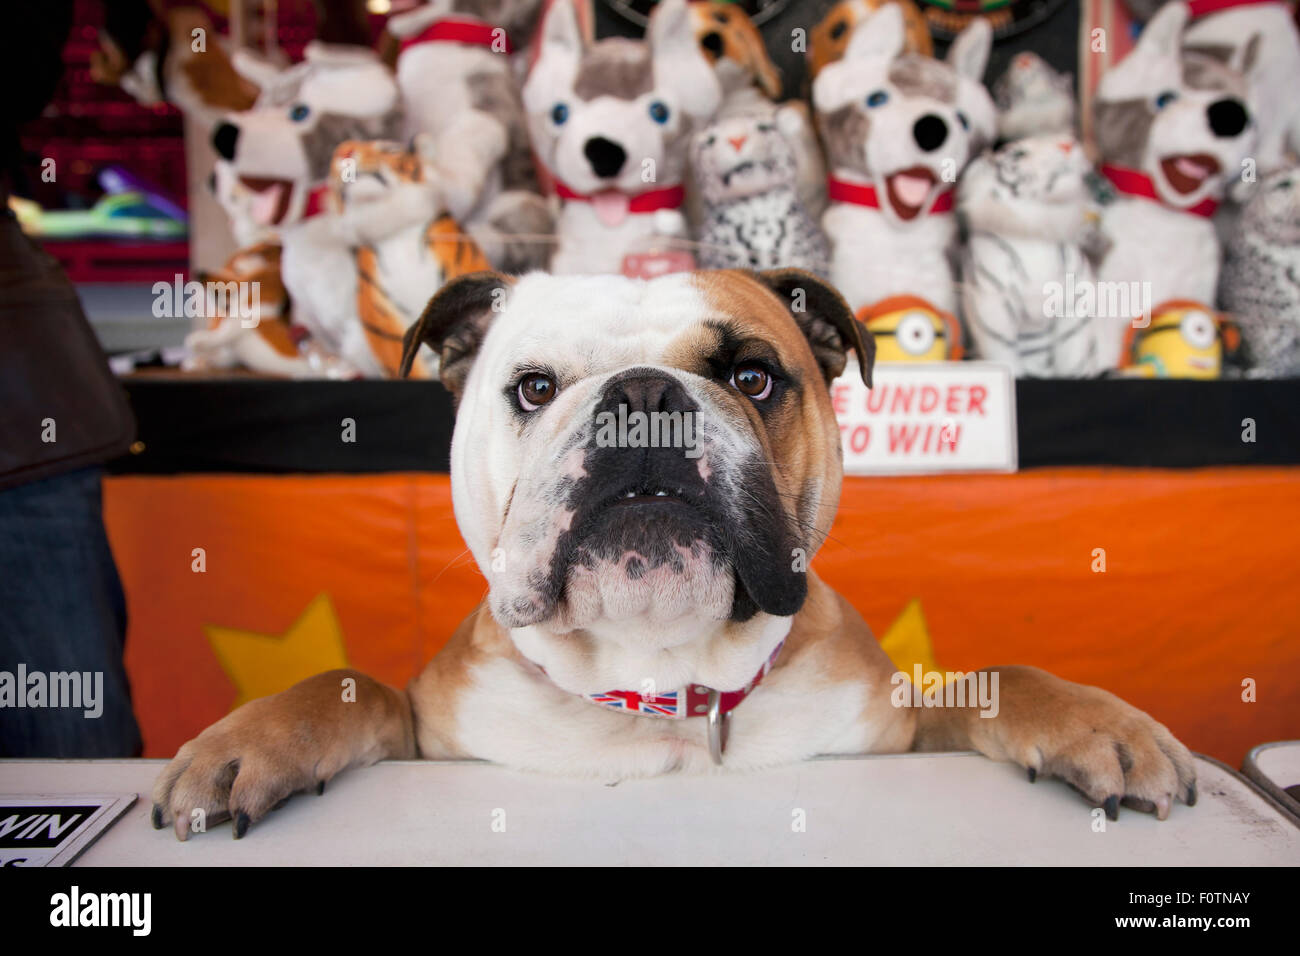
<point x="639" y="589"/>
<point x="612" y="123"/>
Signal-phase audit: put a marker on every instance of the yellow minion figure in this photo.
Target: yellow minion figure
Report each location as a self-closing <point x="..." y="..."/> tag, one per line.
<point x="909" y="329"/>
<point x="1184" y="340"/>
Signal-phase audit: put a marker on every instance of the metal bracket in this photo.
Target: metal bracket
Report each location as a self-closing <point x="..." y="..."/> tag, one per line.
<point x="719" y="724"/>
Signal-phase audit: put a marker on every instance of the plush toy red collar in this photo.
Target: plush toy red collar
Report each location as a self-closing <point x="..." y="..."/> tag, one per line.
<point x="612" y="206"/>
<point x="864" y="194"/>
<point x="461" y="30"/>
<point x="1133" y="182"/>
<point x="1203" y="8"/>
<point x="317" y="202"/>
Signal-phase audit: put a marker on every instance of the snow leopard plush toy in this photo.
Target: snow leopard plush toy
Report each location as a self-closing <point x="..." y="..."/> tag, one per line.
<point x="1260" y="284"/>
<point x="745" y="169"/>
<point x="1023" y="268"/>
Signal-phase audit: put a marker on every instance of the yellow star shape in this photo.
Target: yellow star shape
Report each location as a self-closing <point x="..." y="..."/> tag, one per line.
<point x="907" y="642"/>
<point x="263" y="664"/>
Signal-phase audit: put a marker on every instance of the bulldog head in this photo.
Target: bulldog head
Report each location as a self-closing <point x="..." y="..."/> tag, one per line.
<point x="707" y="514"/>
<point x="905" y="122"/>
<point x="280" y="150"/>
<point x="612" y="119"/>
<point x="1179" y="117"/>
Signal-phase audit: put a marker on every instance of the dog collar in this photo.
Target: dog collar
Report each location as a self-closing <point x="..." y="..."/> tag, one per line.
<point x="864" y="194"/>
<point x="652" y="200"/>
<point x="1131" y="182"/>
<point x="693" y="700"/>
<point x="460" y="30"/>
<point x="1203" y="8"/>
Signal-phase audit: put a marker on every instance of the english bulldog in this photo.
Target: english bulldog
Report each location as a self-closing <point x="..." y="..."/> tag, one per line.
<point x="650" y="606"/>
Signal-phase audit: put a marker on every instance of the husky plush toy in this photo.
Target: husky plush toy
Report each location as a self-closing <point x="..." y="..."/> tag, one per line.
<point x="745" y="169"/>
<point x="1171" y="129"/>
<point x="1260" y="285"/>
<point x="1024" y="209"/>
<point x="898" y="130"/>
<point x="406" y="246"/>
<point x="459" y="83"/>
<point x="612" y="123"/>
<point x="279" y="153"/>
<point x="1259" y="39"/>
<point x="1033" y="99"/>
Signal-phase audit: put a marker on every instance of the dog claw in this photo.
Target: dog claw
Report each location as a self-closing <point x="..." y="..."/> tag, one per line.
<point x="1191" y="795"/>
<point x="1033" y="774"/>
<point x="241" y="824"/>
<point x="156" y="817"/>
<point x="1111" y="806"/>
<point x="320" y="788"/>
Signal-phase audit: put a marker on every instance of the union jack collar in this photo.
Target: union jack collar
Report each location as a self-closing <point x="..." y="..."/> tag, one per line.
<point x="461" y="30"/>
<point x="1133" y="182"/>
<point x="694" y="700"/>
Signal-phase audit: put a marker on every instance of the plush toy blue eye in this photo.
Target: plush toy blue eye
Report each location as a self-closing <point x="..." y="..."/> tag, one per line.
<point x="961" y="118"/>
<point x="1165" y="98"/>
<point x="559" y="113"/>
<point x="659" y="112"/>
<point x="299" y="112"/>
<point x="878" y="98"/>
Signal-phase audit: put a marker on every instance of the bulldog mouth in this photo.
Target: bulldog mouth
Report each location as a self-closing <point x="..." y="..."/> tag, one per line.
<point x="1188" y="173"/>
<point x="908" y="190"/>
<point x="271" y="198"/>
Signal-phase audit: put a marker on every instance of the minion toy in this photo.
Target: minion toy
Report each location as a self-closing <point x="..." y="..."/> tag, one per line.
<point x="1184" y="340"/>
<point x="909" y="329"/>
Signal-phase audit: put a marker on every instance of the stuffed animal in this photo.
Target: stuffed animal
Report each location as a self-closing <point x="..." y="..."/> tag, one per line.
<point x="908" y="328"/>
<point x="280" y="152"/>
<point x="828" y="40"/>
<point x="1024" y="209"/>
<point x="898" y="129"/>
<point x="1259" y="39"/>
<point x="751" y="84"/>
<point x="612" y="123"/>
<point x="1033" y="99"/>
<point x="745" y="169"/>
<point x="1171" y="129"/>
<point x="457" y="72"/>
<point x="1184" y="339"/>
<point x="1260" y="285"/>
<point x="406" y="246"/>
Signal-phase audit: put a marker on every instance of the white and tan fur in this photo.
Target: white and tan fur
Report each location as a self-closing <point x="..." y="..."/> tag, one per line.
<point x="505" y="687"/>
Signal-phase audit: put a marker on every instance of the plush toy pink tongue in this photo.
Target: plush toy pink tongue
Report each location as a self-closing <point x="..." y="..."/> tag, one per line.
<point x="1186" y="173"/>
<point x="908" y="189"/>
<point x="911" y="189"/>
<point x="610" y="206"/>
<point x="270" y="199"/>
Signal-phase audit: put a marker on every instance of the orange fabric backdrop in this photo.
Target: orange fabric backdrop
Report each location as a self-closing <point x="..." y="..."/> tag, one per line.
<point x="303" y="573"/>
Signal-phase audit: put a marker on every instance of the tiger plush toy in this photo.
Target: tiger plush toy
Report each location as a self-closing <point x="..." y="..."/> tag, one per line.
<point x="406" y="245"/>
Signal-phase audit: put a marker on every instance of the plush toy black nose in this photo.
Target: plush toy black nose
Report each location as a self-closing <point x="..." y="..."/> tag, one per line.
<point x="224" y="138"/>
<point x="930" y="131"/>
<point x="712" y="41"/>
<point x="1227" y="117"/>
<point x="605" y="155"/>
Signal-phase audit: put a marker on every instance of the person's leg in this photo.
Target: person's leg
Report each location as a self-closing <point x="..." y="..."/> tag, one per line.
<point x="62" y="610"/>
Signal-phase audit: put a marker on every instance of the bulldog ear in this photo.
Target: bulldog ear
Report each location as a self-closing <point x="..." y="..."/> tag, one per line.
<point x="454" y="324"/>
<point x="825" y="319"/>
<point x="881" y="35"/>
<point x="969" y="53"/>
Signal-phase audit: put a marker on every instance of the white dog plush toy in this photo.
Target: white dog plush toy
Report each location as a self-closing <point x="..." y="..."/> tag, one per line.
<point x="1024" y="208"/>
<point x="1171" y="131"/>
<point x="280" y="152"/>
<point x="460" y="86"/>
<point x="612" y="123"/>
<point x="898" y="130"/>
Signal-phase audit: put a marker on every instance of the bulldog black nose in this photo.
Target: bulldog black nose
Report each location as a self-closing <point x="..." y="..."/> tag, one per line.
<point x="605" y="155"/>
<point x="645" y="390"/>
<point x="930" y="131"/>
<point x="1227" y="117"/>
<point x="224" y="138"/>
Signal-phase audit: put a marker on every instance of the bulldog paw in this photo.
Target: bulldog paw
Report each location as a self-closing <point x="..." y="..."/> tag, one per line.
<point x="1108" y="750"/>
<point x="238" y="769"/>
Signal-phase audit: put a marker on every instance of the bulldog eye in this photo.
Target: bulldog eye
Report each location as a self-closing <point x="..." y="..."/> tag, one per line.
<point x="1165" y="98"/>
<point x="752" y="379"/>
<point x="878" y="98"/>
<point x="559" y="113"/>
<point x="659" y="112"/>
<point x="535" y="390"/>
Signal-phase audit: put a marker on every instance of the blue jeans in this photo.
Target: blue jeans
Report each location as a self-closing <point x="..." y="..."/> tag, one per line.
<point x="62" y="610"/>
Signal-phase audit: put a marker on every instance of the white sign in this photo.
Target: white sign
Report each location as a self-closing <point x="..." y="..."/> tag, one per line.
<point x="924" y="418"/>
<point x="52" y="830"/>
